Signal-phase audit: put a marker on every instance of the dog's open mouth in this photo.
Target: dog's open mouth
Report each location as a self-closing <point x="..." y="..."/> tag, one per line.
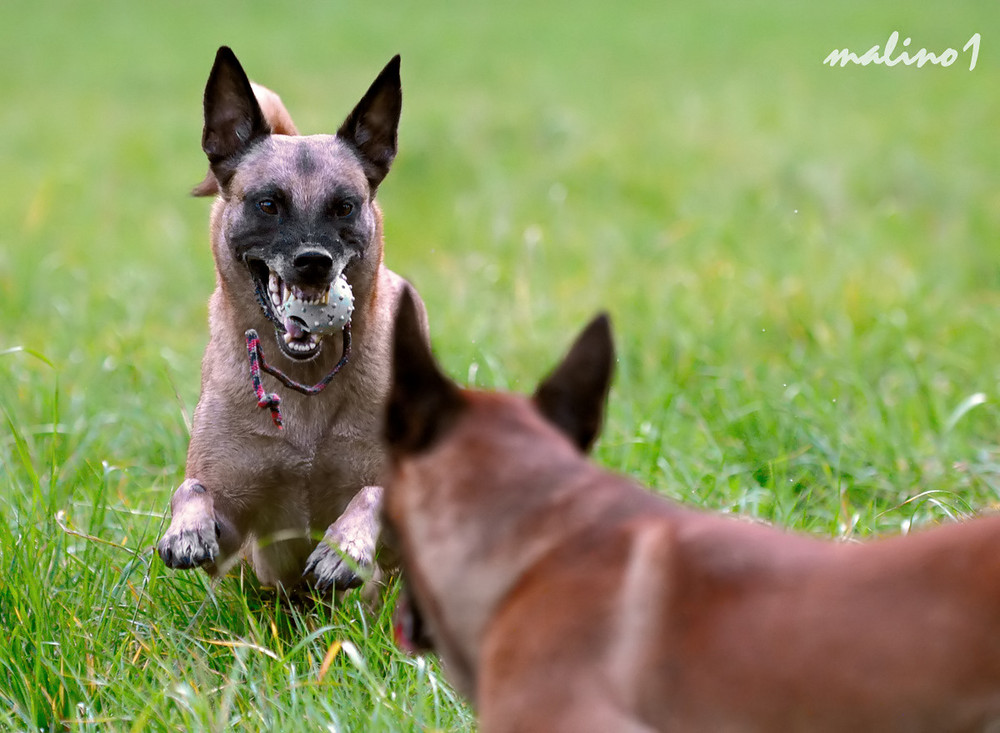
<point x="285" y="304"/>
<point x="297" y="341"/>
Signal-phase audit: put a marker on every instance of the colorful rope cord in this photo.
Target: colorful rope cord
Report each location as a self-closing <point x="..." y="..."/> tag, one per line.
<point x="270" y="399"/>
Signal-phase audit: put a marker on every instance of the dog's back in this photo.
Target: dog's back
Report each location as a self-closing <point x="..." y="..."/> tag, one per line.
<point x="693" y="622"/>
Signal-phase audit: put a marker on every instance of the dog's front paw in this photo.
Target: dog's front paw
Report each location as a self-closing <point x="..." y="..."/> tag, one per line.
<point x="189" y="547"/>
<point x="339" y="562"/>
<point x="345" y="557"/>
<point x="192" y="539"/>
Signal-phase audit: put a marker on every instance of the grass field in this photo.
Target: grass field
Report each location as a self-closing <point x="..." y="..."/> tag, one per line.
<point x="801" y="263"/>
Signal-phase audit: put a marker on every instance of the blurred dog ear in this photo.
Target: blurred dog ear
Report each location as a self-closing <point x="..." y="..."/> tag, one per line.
<point x="573" y="397"/>
<point x="423" y="402"/>
<point x="208" y="186"/>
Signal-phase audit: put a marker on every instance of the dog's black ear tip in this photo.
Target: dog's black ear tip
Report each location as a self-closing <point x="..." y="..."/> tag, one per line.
<point x="225" y="55"/>
<point x="407" y="340"/>
<point x="600" y="328"/>
<point x="407" y="301"/>
<point x="391" y="70"/>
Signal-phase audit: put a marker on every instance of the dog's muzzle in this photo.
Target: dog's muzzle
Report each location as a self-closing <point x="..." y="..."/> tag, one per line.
<point x="304" y="316"/>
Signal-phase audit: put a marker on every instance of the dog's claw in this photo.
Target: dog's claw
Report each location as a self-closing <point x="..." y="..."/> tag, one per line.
<point x="310" y="567"/>
<point x="190" y="548"/>
<point x="333" y="567"/>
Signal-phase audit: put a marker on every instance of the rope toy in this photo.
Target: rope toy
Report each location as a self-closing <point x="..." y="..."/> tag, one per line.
<point x="271" y="400"/>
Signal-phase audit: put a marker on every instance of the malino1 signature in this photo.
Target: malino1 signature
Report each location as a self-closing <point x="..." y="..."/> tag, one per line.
<point x="947" y="57"/>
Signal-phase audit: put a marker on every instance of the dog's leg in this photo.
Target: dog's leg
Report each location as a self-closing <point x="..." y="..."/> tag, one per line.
<point x="197" y="536"/>
<point x="345" y="557"/>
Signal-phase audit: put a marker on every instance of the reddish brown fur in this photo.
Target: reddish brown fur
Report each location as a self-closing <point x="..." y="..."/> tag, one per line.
<point x="562" y="597"/>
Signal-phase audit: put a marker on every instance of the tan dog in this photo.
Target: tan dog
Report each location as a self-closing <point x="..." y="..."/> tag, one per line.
<point x="293" y="215"/>
<point x="562" y="597"/>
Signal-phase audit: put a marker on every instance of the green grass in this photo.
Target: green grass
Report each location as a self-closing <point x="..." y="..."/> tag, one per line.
<point x="800" y="262"/>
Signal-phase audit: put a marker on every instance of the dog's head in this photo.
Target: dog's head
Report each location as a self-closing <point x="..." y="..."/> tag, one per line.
<point x="298" y="213"/>
<point x="450" y="445"/>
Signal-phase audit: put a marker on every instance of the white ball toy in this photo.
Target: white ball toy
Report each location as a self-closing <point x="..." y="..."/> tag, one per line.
<point x="324" y="315"/>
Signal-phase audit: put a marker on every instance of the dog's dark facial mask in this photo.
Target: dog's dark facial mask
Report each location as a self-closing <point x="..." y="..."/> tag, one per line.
<point x="305" y="217"/>
<point x="300" y="211"/>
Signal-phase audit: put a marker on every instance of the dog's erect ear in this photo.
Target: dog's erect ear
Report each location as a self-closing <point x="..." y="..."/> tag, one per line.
<point x="574" y="395"/>
<point x="278" y="120"/>
<point x="371" y="127"/>
<point x="233" y="119"/>
<point x="423" y="402"/>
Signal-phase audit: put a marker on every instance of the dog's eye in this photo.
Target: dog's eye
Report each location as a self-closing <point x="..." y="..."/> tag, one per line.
<point x="267" y="206"/>
<point x="343" y="209"/>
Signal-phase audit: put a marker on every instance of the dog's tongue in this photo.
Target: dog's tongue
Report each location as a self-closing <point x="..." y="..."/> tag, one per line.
<point x="402" y="638"/>
<point x="293" y="326"/>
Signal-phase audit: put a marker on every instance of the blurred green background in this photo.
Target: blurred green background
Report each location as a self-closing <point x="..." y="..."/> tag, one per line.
<point x="800" y="261"/>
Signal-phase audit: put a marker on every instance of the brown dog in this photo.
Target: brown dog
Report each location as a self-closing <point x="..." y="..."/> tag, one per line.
<point x="562" y="597"/>
<point x="294" y="215"/>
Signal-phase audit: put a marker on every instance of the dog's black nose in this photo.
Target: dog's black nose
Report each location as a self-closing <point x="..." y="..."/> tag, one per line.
<point x="313" y="264"/>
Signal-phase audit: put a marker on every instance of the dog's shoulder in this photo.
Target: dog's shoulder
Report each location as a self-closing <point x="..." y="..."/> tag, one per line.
<point x="392" y="287"/>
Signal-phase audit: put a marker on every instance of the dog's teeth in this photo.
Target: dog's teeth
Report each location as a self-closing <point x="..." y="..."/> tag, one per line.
<point x="272" y="283"/>
<point x="299" y="345"/>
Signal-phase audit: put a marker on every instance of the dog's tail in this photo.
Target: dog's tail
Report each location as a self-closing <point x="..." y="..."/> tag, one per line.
<point x="277" y="117"/>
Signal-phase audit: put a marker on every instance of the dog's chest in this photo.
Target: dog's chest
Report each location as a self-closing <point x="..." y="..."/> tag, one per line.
<point x="332" y="457"/>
